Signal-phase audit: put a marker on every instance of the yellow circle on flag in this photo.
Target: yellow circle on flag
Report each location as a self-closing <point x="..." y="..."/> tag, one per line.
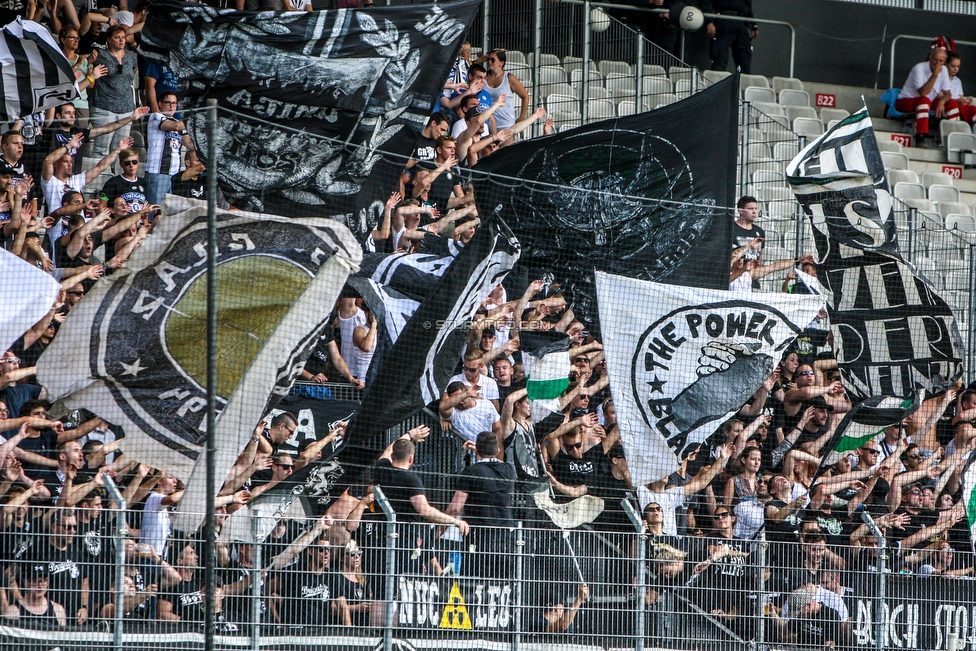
<point x="253" y="295"/>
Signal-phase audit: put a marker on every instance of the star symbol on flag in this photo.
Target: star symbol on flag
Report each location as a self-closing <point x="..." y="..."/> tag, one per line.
<point x="657" y="386"/>
<point x="133" y="369"/>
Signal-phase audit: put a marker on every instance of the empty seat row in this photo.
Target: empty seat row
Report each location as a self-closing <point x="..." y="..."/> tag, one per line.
<point x="787" y="97"/>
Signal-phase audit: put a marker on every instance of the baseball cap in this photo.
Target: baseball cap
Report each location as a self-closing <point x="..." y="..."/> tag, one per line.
<point x="817" y="402"/>
<point x="37" y="570"/>
<point x="124" y="18"/>
<point x="616" y="452"/>
<point x="6" y="170"/>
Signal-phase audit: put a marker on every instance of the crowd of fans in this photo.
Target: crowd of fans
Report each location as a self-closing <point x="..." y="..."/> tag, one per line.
<point x="759" y="476"/>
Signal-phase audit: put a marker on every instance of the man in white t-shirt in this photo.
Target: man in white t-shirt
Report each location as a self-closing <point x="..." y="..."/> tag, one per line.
<point x="56" y="172"/>
<point x="468" y="413"/>
<point x="670" y="499"/>
<point x="473" y="372"/>
<point x="926" y="89"/>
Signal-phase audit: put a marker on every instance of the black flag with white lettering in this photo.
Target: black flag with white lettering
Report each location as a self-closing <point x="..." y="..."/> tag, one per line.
<point x="641" y="196"/>
<point x="425" y="356"/>
<point x="321" y="109"/>
<point x="892" y="333"/>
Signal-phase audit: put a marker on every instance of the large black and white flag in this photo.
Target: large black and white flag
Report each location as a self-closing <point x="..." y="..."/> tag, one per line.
<point x="35" y="75"/>
<point x="893" y="334"/>
<point x="839" y="180"/>
<point x="416" y="370"/>
<point x="134" y="351"/>
<point x="320" y="109"/>
<point x="640" y="196"/>
<point x="682" y="360"/>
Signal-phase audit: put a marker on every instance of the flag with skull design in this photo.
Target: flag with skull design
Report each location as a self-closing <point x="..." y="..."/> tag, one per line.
<point x="318" y="110"/>
<point x="681" y="360"/>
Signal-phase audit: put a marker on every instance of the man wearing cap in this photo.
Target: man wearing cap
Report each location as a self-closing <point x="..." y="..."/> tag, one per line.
<point x="813" y="425"/>
<point x="34" y="607"/>
<point x="811" y="623"/>
<point x="65" y="127"/>
<point x="59" y="550"/>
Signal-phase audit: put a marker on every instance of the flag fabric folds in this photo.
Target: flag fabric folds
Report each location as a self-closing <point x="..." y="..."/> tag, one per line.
<point x="893" y="334"/>
<point x="416" y="369"/>
<point x="682" y="360"/>
<point x="35" y="75"/>
<point x="865" y="421"/>
<point x="640" y="196"/>
<point x="21" y="280"/>
<point x="545" y="356"/>
<point x="308" y="490"/>
<point x="133" y="351"/>
<point x="321" y="108"/>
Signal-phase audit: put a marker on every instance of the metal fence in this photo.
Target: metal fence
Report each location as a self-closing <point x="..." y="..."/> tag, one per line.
<point x="383" y="582"/>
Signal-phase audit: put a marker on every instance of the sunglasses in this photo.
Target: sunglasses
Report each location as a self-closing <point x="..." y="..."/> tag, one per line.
<point x="285" y="466"/>
<point x="131" y="162"/>
<point x="915" y="457"/>
<point x="575" y="446"/>
<point x="869" y="451"/>
<point x="471" y="370"/>
<point x="354" y="554"/>
<point x="653" y="509"/>
<point x="76" y="293"/>
<point x="581" y="360"/>
<point x="13" y="360"/>
<point x="805" y="373"/>
<point x="723" y="515"/>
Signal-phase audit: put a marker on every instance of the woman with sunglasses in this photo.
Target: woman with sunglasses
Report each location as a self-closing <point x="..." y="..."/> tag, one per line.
<point x="111" y="98"/>
<point x="86" y="73"/>
<point x="352" y="596"/>
<point x="719" y="568"/>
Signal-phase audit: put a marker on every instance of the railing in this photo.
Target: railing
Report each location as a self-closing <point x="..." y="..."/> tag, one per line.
<point x="389" y="582"/>
<point x="910" y="37"/>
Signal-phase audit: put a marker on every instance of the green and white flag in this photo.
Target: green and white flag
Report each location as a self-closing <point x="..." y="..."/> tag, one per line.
<point x="864" y="422"/>
<point x="969" y="498"/>
<point x="545" y="356"/>
<point x="134" y="351"/>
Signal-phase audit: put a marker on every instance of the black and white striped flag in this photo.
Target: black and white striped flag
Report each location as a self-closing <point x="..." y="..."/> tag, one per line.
<point x="36" y="76"/>
<point x="893" y="334"/>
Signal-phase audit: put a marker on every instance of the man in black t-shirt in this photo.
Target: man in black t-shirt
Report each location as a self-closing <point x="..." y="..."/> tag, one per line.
<point x="65" y="560"/>
<point x="403" y="488"/>
<point x="575" y="470"/>
<point x="438" y="125"/>
<point x="484" y="493"/>
<point x="745" y="230"/>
